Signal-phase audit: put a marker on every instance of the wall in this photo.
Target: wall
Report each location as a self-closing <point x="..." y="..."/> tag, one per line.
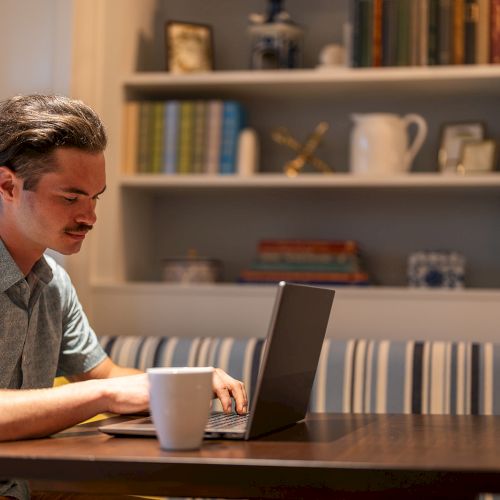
<point x="36" y="54"/>
<point x="36" y="49"/>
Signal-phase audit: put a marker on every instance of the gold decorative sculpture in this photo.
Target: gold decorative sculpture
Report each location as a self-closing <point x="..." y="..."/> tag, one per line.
<point x="305" y="151"/>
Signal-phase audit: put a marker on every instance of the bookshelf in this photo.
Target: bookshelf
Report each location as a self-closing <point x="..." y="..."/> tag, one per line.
<point x="144" y="218"/>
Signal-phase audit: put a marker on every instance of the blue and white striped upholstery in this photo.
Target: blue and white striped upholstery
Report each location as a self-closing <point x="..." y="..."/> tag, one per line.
<point x="355" y="376"/>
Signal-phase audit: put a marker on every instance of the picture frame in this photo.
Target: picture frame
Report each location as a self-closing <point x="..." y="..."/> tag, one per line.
<point x="189" y="47"/>
<point x="453" y="136"/>
<point x="477" y="157"/>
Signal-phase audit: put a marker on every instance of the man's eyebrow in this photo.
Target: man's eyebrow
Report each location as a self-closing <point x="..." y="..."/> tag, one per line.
<point x="73" y="190"/>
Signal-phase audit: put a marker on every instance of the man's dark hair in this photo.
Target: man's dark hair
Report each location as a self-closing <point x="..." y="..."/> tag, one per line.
<point x="33" y="126"/>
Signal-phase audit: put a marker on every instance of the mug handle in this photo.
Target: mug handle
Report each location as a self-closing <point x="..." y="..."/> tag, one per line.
<point x="419" y="139"/>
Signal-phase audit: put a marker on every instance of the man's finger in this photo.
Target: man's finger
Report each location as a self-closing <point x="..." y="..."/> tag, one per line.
<point x="226" y="386"/>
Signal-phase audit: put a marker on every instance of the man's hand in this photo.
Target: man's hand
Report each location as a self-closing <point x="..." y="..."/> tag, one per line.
<point x="226" y="386"/>
<point x="126" y="394"/>
<point x="131" y="394"/>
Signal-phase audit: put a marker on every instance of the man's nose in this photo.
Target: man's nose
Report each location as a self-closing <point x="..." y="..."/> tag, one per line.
<point x="88" y="215"/>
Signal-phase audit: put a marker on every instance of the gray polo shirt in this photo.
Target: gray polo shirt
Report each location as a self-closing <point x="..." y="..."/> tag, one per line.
<point x="43" y="331"/>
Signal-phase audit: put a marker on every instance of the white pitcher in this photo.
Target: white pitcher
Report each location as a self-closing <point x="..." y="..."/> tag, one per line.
<point x="379" y="143"/>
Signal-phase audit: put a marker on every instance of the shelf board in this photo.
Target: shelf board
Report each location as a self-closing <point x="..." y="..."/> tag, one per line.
<point x="244" y="311"/>
<point x="477" y="182"/>
<point x="447" y="80"/>
<point x="351" y="292"/>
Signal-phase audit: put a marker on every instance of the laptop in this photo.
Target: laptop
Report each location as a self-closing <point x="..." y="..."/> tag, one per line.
<point x="286" y="376"/>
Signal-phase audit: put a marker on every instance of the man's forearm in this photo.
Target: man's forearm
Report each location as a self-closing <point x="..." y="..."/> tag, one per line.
<point x="40" y="412"/>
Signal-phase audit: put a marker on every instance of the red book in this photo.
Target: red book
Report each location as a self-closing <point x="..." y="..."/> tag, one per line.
<point x="495" y="32"/>
<point x="304" y="276"/>
<point x="377" y="33"/>
<point x="313" y="246"/>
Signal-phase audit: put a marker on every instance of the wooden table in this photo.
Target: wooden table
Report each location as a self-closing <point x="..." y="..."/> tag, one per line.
<point x="327" y="456"/>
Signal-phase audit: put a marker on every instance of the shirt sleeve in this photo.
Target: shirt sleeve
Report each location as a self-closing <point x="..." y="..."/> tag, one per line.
<point x="80" y="349"/>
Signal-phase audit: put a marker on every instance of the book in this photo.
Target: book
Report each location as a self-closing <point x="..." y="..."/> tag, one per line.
<point x="185" y="148"/>
<point x="306" y="251"/>
<point x="404" y="33"/>
<point x="445" y="32"/>
<point x="355" y="17"/>
<point x="471" y="22"/>
<point x="130" y="136"/>
<point x="199" y="144"/>
<point x="171" y="134"/>
<point x="483" y="32"/>
<point x="366" y="33"/>
<point x="495" y="32"/>
<point x="343" y="264"/>
<point x="432" y="33"/>
<point x="213" y="136"/>
<point x="304" y="277"/>
<point x="157" y="117"/>
<point x="312" y="245"/>
<point x="144" y="137"/>
<point x="232" y="123"/>
<point x="377" y="33"/>
<point x="423" y="32"/>
<point x="458" y="32"/>
<point x="413" y="36"/>
<point x="390" y="32"/>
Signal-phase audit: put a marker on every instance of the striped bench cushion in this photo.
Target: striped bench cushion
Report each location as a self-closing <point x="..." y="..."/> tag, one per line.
<point x="355" y="376"/>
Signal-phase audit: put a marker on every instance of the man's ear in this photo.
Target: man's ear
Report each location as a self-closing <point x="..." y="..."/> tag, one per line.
<point x="8" y="183"/>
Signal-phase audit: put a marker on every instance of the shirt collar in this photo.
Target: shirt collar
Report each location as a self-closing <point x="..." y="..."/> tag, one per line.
<point x="10" y="273"/>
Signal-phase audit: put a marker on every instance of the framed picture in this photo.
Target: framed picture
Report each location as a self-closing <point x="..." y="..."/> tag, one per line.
<point x="477" y="156"/>
<point x="189" y="47"/>
<point x="453" y="136"/>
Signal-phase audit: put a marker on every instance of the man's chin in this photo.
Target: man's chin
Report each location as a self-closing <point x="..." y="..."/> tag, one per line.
<point x="68" y="249"/>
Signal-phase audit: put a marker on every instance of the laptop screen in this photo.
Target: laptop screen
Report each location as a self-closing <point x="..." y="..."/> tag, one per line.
<point x="293" y="346"/>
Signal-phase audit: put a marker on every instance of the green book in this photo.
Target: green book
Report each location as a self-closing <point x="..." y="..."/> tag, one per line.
<point x="199" y="136"/>
<point x="157" y="125"/>
<point x="404" y="33"/>
<point x="185" y="161"/>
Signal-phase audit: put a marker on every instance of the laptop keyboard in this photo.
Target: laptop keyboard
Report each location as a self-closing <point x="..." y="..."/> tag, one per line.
<point x="226" y="421"/>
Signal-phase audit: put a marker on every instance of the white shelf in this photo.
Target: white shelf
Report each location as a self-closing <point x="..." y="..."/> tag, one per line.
<point x="448" y="79"/>
<point x="244" y="310"/>
<point x="246" y="290"/>
<point x="331" y="181"/>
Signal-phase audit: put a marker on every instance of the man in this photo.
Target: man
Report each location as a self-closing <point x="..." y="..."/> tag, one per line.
<point x="52" y="172"/>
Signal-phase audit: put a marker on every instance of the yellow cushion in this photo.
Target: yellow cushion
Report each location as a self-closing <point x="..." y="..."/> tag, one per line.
<point x="60" y="381"/>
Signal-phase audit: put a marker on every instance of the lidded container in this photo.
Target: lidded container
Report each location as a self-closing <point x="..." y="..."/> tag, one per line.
<point x="276" y="41"/>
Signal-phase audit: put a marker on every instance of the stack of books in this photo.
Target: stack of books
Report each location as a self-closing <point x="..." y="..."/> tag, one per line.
<point x="182" y="136"/>
<point x="307" y="261"/>
<point x="425" y="32"/>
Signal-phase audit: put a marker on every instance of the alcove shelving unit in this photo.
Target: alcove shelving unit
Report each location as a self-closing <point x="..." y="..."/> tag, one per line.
<point x="146" y="218"/>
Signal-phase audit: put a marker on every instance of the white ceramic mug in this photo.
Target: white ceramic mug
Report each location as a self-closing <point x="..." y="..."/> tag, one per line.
<point x="180" y="404"/>
<point x="379" y="143"/>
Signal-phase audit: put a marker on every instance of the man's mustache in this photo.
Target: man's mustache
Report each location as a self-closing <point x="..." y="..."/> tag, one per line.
<point x="81" y="228"/>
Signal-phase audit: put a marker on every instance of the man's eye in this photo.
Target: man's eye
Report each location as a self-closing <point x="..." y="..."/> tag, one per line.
<point x="70" y="200"/>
